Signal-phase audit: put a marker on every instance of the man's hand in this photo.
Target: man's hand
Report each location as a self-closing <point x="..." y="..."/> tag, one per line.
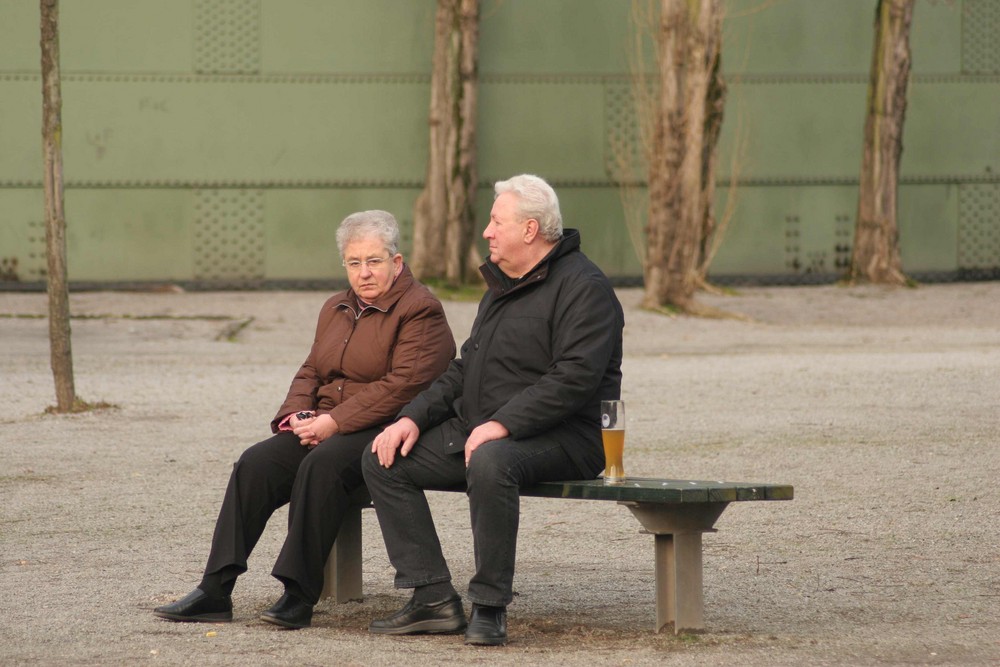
<point x="315" y="430"/>
<point x="491" y="430"/>
<point x="401" y="435"/>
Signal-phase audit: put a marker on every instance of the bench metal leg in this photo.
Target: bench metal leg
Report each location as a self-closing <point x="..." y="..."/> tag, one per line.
<point x="679" y="597"/>
<point x="677" y="530"/>
<point x="342" y="575"/>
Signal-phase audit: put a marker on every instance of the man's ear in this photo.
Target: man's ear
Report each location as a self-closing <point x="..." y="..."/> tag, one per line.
<point x="531" y="228"/>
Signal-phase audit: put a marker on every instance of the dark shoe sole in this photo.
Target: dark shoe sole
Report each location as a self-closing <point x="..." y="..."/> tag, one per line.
<point x="430" y="626"/>
<point x="284" y="624"/>
<point x="485" y="641"/>
<point x="219" y="617"/>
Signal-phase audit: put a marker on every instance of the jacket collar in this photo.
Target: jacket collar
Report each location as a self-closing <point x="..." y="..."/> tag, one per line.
<point x="500" y="283"/>
<point x="402" y="283"/>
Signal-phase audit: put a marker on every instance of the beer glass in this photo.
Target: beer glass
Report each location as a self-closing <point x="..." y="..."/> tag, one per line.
<point x="613" y="433"/>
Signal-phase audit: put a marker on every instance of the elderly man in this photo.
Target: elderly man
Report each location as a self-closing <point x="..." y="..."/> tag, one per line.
<point x="520" y="406"/>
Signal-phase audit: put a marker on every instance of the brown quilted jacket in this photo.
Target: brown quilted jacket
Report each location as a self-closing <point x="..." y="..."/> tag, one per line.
<point x="366" y="364"/>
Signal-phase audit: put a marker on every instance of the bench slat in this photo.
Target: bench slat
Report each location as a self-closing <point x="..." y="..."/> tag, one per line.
<point x="666" y="491"/>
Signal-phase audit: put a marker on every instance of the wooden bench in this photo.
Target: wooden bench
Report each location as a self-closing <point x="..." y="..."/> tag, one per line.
<point x="675" y="511"/>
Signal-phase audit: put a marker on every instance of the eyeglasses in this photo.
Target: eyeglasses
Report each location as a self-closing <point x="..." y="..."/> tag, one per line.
<point x="373" y="264"/>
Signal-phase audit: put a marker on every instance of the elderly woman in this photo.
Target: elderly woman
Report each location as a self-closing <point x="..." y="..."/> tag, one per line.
<point x="377" y="345"/>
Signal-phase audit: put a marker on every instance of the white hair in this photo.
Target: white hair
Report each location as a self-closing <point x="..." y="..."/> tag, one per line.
<point x="535" y="199"/>
<point x="368" y="224"/>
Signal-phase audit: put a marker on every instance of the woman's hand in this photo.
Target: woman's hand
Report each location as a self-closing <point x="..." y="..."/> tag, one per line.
<point x="300" y="418"/>
<point x="314" y="430"/>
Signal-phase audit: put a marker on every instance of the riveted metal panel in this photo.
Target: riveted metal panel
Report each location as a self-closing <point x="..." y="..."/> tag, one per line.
<point x="229" y="237"/>
<point x="301" y="225"/>
<point x="980" y="29"/>
<point x="793" y="132"/>
<point x="227" y="36"/>
<point x="320" y="107"/>
<point x="801" y="39"/>
<point x="20" y="129"/>
<point x="808" y="247"/>
<point x="797" y="38"/>
<point x="124" y="235"/>
<point x="347" y="36"/>
<point x="928" y="229"/>
<point x="597" y="213"/>
<point x="979" y="226"/>
<point x="19" y="34"/>
<point x="183" y="131"/>
<point x="553" y="36"/>
<point x="558" y="135"/>
<point x="115" y="36"/>
<point x="934" y="41"/>
<point x="805" y="233"/>
<point x="22" y="235"/>
<point x="798" y="232"/>
<point x="624" y="158"/>
<point x="952" y="131"/>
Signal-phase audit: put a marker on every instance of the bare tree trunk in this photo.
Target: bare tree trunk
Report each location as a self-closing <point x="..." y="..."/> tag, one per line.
<point x="875" y="257"/>
<point x="444" y="216"/>
<point x="714" y="111"/>
<point x="682" y="163"/>
<point x="61" y="354"/>
<point x="427" y="258"/>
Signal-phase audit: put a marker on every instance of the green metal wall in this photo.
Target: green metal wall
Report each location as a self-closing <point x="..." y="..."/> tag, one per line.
<point x="219" y="142"/>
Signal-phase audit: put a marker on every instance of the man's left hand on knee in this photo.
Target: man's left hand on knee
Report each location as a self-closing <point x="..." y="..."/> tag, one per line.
<point x="491" y="430"/>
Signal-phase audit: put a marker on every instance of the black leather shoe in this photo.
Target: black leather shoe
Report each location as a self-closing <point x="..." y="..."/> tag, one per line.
<point x="487" y="626"/>
<point x="198" y="606"/>
<point x="289" y="612"/>
<point x="416" y="618"/>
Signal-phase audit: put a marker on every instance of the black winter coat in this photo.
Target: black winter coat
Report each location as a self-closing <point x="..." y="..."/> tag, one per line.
<point x="543" y="352"/>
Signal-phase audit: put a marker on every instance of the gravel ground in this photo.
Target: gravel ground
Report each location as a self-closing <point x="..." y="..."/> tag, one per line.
<point x="879" y="406"/>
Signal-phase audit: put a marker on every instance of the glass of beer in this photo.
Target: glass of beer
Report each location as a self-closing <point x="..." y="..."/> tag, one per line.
<point x="613" y="433"/>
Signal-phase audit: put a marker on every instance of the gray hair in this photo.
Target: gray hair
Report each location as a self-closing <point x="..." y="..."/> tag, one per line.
<point x="367" y="224"/>
<point x="535" y="199"/>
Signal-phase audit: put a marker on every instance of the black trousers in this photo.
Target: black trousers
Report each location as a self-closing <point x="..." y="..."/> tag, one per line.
<point x="493" y="478"/>
<point x="315" y="482"/>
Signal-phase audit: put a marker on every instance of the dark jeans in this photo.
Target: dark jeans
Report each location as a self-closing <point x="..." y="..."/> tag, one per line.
<point x="316" y="482"/>
<point x="493" y="479"/>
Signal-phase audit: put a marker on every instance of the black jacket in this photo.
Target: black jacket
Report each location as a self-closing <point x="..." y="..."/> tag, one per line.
<point x="543" y="352"/>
